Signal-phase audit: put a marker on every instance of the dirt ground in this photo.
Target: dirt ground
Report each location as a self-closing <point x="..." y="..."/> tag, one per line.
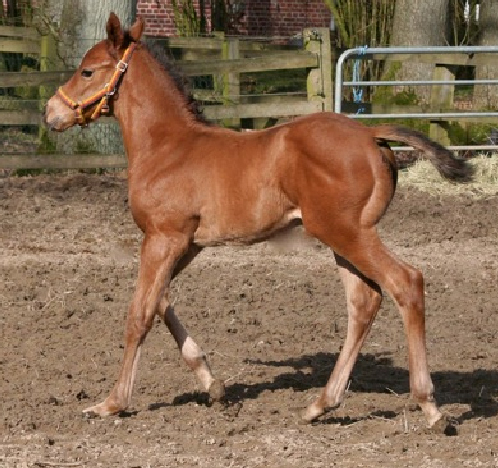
<point x="272" y="322"/>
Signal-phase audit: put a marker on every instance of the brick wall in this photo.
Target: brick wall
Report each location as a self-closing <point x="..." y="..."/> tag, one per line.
<point x="258" y="18"/>
<point x="283" y="17"/>
<point x="21" y="5"/>
<point x="158" y="16"/>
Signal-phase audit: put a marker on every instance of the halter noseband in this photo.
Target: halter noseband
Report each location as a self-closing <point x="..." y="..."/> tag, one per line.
<point x="102" y="96"/>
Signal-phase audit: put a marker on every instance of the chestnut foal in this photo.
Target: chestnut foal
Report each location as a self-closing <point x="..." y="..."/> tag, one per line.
<point x="192" y="185"/>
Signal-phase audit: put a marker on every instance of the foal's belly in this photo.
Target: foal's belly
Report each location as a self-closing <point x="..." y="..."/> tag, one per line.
<point x="241" y="230"/>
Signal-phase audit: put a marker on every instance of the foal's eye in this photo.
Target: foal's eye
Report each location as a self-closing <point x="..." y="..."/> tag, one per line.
<point x="86" y="73"/>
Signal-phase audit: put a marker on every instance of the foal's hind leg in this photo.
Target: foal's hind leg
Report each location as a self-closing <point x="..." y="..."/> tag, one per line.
<point x="362" y="247"/>
<point x="192" y="354"/>
<point x="363" y="299"/>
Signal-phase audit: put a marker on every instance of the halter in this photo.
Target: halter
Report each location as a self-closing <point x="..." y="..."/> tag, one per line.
<point x="103" y="95"/>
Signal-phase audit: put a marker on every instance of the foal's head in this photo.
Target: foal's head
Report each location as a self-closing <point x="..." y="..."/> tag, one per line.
<point x="90" y="91"/>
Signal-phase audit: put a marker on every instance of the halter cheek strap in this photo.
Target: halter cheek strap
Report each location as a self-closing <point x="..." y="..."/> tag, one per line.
<point x="103" y="96"/>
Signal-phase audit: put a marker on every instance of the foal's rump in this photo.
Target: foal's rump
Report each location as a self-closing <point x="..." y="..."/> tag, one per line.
<point x="342" y="171"/>
<point x="341" y="134"/>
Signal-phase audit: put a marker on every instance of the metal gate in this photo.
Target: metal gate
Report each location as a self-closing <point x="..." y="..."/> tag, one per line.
<point x="463" y="55"/>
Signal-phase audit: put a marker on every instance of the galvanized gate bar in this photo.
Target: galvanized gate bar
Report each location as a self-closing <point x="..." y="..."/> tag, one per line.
<point x="363" y="53"/>
<point x="427" y="115"/>
<point x="452" y="148"/>
<point x="418" y="83"/>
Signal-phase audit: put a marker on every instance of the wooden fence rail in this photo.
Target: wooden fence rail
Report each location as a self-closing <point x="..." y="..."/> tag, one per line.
<point x="18" y="31"/>
<point x="59" y="161"/>
<point x="220" y="57"/>
<point x="33" y="78"/>
<point x="233" y="64"/>
<point x="225" y="59"/>
<point x="10" y="40"/>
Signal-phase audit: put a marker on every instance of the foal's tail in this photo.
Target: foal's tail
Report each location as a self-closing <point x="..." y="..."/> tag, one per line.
<point x="445" y="162"/>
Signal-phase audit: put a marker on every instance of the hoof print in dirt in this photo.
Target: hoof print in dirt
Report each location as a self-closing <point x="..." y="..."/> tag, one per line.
<point x="233" y="409"/>
<point x="82" y="395"/>
<point x="54" y="401"/>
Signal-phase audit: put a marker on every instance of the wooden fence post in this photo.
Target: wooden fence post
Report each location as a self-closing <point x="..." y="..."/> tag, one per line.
<point x="218" y="78"/>
<point x="231" y="81"/>
<point x="319" y="84"/>
<point x="442" y="97"/>
<point x="48" y="60"/>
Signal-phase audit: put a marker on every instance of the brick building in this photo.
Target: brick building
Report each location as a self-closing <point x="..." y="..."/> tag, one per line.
<point x="242" y="17"/>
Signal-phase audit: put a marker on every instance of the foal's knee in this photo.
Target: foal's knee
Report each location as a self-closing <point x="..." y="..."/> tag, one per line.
<point x="409" y="290"/>
<point x="363" y="303"/>
<point x="163" y="309"/>
<point x="137" y="326"/>
<point x="137" y="330"/>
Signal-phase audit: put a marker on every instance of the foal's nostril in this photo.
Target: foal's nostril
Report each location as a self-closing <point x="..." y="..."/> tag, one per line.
<point x="48" y="118"/>
<point x="52" y="125"/>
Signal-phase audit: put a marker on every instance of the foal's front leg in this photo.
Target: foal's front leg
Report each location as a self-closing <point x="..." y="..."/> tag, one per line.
<point x="159" y="255"/>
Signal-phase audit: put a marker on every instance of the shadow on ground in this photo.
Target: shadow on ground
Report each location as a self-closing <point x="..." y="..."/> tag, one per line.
<point x="372" y="374"/>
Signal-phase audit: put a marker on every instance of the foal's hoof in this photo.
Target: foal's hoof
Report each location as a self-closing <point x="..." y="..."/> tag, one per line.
<point x="100" y="410"/>
<point x="443" y="426"/>
<point x="302" y="421"/>
<point x="311" y="413"/>
<point x="216" y="391"/>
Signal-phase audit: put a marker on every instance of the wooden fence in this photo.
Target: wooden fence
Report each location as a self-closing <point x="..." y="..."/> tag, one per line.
<point x="225" y="59"/>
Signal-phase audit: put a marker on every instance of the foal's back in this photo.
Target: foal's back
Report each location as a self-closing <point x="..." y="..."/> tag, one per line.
<point x="244" y="186"/>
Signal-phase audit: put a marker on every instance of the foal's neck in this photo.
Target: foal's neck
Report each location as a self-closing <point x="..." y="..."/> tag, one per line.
<point x="153" y="114"/>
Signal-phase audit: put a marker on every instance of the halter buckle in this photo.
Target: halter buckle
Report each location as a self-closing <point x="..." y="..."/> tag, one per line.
<point x="80" y="117"/>
<point x="122" y="66"/>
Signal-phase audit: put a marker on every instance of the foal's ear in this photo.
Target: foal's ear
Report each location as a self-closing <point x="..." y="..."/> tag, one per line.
<point x="114" y="32"/>
<point x="137" y="29"/>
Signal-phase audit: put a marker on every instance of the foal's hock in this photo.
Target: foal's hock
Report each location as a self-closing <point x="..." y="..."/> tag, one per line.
<point x="192" y="185"/>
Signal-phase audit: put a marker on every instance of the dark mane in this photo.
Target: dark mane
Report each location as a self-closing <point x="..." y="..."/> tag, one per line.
<point x="181" y="81"/>
<point x="158" y="51"/>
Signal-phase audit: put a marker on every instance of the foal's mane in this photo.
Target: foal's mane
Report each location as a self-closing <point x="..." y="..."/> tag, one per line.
<point x="180" y="80"/>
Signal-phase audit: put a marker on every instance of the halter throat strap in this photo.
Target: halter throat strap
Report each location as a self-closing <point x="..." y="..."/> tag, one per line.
<point x="103" y="96"/>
